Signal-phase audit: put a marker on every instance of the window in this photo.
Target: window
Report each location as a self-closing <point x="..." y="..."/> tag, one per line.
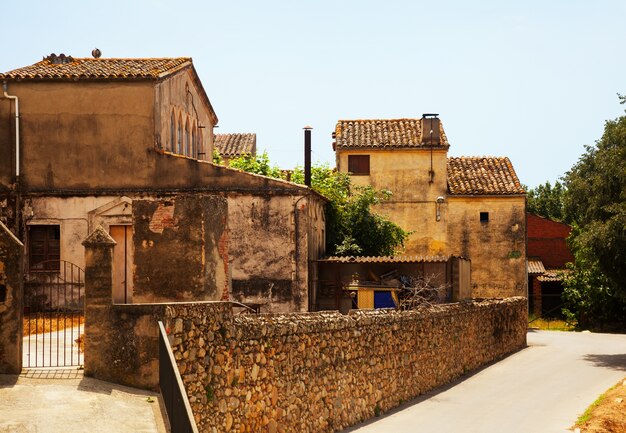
<point x="484" y="217"/>
<point x="179" y="142"/>
<point x="194" y="152"/>
<point x="359" y="164"/>
<point x="44" y="247"/>
<point x="172" y="146"/>
<point x="187" y="151"/>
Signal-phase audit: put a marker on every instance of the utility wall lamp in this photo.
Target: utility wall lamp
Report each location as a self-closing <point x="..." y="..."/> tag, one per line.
<point x="438" y="207"/>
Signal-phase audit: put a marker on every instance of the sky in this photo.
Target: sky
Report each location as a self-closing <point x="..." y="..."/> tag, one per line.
<point x="531" y="80"/>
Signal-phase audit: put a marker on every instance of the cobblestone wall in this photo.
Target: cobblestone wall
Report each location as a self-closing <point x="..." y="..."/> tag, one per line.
<point x="321" y="372"/>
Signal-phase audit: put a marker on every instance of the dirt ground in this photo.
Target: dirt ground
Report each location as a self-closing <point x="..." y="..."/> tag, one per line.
<point x="609" y="414"/>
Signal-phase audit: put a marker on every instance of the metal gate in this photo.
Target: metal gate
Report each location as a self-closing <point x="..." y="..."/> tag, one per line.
<point x="54" y="314"/>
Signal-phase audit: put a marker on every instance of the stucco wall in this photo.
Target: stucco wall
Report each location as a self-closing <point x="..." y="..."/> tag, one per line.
<point x="497" y="248"/>
<point x="321" y="372"/>
<point x="272" y="239"/>
<point x="11" y="299"/>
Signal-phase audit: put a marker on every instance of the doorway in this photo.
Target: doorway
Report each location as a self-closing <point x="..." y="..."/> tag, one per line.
<point x="122" y="263"/>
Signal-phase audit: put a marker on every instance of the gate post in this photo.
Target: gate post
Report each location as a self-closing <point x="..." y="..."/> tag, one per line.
<point x="98" y="295"/>
<point x="11" y="302"/>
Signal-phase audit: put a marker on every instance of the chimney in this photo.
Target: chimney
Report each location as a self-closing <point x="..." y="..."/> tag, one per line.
<point x="430" y="129"/>
<point x="307" y="155"/>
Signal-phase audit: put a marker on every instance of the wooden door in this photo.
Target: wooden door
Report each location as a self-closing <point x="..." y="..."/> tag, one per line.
<point x="122" y="264"/>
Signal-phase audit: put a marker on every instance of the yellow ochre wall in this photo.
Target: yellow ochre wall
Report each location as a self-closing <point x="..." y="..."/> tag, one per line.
<point x="497" y="249"/>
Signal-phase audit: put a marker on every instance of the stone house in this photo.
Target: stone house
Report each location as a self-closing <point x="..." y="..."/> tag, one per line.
<point x="126" y="144"/>
<point x="473" y="207"/>
<point x="235" y="145"/>
<point x="548" y="255"/>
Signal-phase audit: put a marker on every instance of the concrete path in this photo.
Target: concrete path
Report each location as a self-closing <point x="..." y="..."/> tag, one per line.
<point x="53" y="349"/>
<point x="542" y="389"/>
<point x="62" y="400"/>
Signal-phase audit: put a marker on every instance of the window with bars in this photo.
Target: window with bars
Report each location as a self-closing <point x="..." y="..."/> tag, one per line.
<point x="359" y="164"/>
<point x="44" y="247"/>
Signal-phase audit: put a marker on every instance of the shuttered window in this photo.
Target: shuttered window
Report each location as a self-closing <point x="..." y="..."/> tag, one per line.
<point x="359" y="164"/>
<point x="44" y="247"/>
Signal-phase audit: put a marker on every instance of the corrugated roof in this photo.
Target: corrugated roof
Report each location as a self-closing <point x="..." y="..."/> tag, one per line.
<point x="382" y="133"/>
<point x="386" y="259"/>
<point x="482" y="175"/>
<point x="230" y="145"/>
<point x="535" y="267"/>
<point x="68" y="68"/>
<point x="553" y="275"/>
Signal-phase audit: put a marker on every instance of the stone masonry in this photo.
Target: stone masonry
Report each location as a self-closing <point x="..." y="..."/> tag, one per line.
<point x="321" y="372"/>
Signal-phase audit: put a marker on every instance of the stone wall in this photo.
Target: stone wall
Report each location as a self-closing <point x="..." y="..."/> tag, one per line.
<point x="11" y="309"/>
<point x="321" y="372"/>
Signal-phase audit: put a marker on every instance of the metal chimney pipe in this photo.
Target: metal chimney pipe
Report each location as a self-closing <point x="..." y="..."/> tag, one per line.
<point x="307" y="155"/>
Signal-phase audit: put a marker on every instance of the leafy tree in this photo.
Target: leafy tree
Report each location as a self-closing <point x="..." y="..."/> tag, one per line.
<point x="547" y="201"/>
<point x="217" y="157"/>
<point x="351" y="226"/>
<point x="596" y="203"/>
<point x="259" y="164"/>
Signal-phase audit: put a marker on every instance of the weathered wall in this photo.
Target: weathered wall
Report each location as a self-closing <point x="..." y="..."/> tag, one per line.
<point x="413" y="205"/>
<point x="11" y="298"/>
<point x="322" y="372"/>
<point x="497" y="248"/>
<point x="181" y="248"/>
<point x="271" y="241"/>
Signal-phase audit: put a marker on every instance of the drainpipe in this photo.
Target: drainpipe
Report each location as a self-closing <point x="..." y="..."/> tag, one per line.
<point x="17" y="156"/>
<point x="17" y="130"/>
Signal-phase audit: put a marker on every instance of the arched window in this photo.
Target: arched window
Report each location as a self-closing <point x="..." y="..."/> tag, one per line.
<point x="199" y="146"/>
<point x="172" y="144"/>
<point x="194" y="151"/>
<point x="187" y="141"/>
<point x="179" y="141"/>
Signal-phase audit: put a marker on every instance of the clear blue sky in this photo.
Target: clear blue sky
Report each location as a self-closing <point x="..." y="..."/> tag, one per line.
<point x="531" y="80"/>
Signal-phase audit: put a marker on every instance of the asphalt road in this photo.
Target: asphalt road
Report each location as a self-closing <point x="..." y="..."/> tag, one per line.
<point x="541" y="389"/>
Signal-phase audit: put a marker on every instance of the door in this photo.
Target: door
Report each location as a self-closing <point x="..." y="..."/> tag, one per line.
<point x="122" y="264"/>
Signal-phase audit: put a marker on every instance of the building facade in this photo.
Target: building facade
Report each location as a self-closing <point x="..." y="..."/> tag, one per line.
<point x="472" y="207"/>
<point x="126" y="144"/>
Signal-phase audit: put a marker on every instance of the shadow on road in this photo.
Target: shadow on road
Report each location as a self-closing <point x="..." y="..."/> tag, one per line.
<point x="614" y="362"/>
<point x="8" y="380"/>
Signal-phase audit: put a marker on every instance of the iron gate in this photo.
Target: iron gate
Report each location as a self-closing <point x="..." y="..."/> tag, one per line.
<point x="54" y="306"/>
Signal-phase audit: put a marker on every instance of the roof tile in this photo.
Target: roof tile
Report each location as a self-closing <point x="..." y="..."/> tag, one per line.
<point x="232" y="145"/>
<point x="485" y="175"/>
<point x="68" y="68"/>
<point x="381" y="133"/>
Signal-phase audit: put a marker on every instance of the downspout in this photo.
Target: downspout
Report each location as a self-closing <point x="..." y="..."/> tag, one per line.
<point x="17" y="130"/>
<point x="17" y="154"/>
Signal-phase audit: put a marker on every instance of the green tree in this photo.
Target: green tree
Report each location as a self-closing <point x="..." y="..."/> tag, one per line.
<point x="547" y="201"/>
<point x="351" y="226"/>
<point x="596" y="203"/>
<point x="259" y="164"/>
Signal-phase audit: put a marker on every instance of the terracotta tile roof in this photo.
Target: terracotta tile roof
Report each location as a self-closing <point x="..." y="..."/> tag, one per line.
<point x="67" y="68"/>
<point x="385" y="259"/>
<point x="535" y="267"/>
<point x="382" y="133"/>
<point x="230" y="145"/>
<point x="482" y="176"/>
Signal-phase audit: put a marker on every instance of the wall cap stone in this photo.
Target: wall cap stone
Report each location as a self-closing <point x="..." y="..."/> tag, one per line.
<point x="99" y="237"/>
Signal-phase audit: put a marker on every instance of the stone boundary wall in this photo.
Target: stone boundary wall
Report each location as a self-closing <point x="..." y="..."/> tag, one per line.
<point x="321" y="372"/>
<point x="11" y="301"/>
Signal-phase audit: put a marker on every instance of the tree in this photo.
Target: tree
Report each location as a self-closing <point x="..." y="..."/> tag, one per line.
<point x="596" y="203"/>
<point x="547" y="201"/>
<point x="351" y="226"/>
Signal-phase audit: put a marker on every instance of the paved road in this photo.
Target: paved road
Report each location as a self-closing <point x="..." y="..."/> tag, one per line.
<point x="541" y="389"/>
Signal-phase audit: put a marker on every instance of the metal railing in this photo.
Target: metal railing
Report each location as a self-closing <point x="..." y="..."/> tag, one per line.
<point x="173" y="390"/>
